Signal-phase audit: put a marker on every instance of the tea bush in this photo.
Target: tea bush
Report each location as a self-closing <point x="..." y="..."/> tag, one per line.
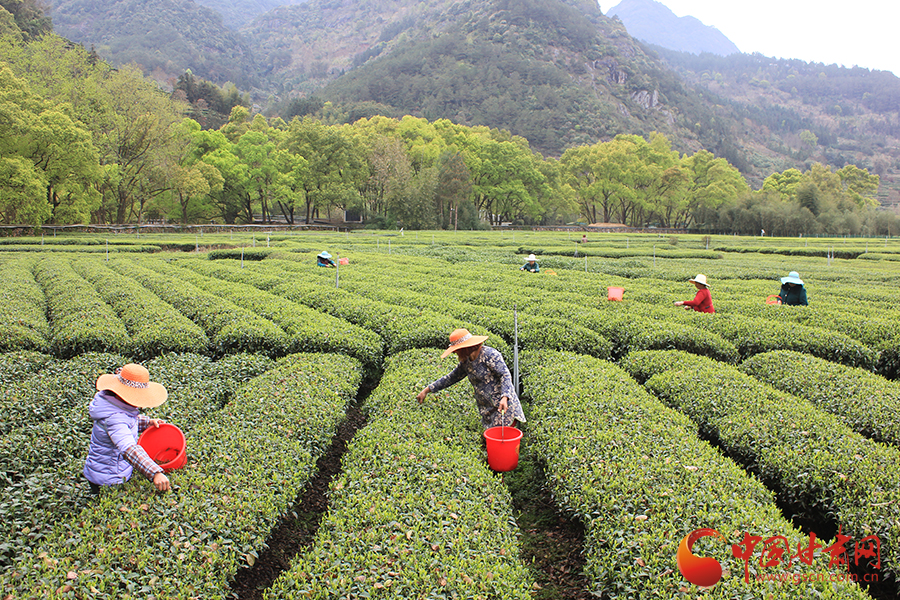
<point x="401" y="328"/>
<point x="862" y="400"/>
<point x="309" y="330"/>
<point x="79" y="318"/>
<point x="16" y="366"/>
<point x="816" y="463"/>
<point x="240" y="254"/>
<point x="23" y="320"/>
<point x="230" y="328"/>
<point x="245" y="467"/>
<point x="533" y="331"/>
<point x="752" y="335"/>
<point x="415" y="512"/>
<point x="155" y="326"/>
<point x="635" y="472"/>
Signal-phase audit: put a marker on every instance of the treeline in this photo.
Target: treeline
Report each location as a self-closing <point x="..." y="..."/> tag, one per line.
<point x="86" y="143"/>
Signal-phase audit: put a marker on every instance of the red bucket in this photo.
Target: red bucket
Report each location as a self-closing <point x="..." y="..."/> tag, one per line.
<point x="165" y="444"/>
<point x="503" y="447"/>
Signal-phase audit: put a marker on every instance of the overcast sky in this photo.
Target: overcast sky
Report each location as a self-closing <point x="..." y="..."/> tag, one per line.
<point x="863" y="32"/>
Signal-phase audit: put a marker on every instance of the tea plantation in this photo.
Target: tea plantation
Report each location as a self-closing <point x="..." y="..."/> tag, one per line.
<point x="776" y="426"/>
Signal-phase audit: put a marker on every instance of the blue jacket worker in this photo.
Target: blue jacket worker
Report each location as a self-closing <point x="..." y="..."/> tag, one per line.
<point x="324" y="260"/>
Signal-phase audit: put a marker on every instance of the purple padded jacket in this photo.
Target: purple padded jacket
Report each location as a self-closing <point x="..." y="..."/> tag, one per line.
<point x="116" y="429"/>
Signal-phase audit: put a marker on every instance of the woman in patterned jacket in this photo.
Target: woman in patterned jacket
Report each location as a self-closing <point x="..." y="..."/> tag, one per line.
<point x="497" y="400"/>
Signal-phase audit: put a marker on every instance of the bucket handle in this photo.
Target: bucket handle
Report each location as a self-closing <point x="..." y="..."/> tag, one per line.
<point x="502" y="426"/>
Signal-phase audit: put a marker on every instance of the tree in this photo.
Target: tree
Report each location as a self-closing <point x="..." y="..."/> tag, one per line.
<point x="859" y="185"/>
<point x="785" y="184"/>
<point x="58" y="148"/>
<point x="335" y="167"/>
<point x="453" y="187"/>
<point x="712" y="182"/>
<point x="192" y="180"/>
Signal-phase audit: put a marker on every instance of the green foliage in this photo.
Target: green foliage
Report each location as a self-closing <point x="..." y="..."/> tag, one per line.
<point x="246" y="466"/>
<point x="155" y="327"/>
<point x="860" y="399"/>
<point x="816" y="463"/>
<point x="309" y="330"/>
<point x="240" y="254"/>
<point x="437" y="521"/>
<point x="44" y="432"/>
<point x="230" y="328"/>
<point x="161" y="36"/>
<point x="23" y="320"/>
<point x="752" y="335"/>
<point x="401" y="328"/>
<point x="28" y="16"/>
<point x="635" y="472"/>
<point x="80" y="320"/>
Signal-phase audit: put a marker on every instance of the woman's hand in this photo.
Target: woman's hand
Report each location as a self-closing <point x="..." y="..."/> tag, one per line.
<point x="161" y="482"/>
<point x="156" y="422"/>
<point x="421" y="395"/>
<point x="679" y="303"/>
<point x="504" y="404"/>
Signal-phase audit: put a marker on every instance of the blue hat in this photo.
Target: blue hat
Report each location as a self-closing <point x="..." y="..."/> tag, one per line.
<point x="793" y="277"/>
<point x="324" y="254"/>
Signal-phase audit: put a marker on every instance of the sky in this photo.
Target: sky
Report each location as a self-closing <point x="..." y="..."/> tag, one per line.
<point x="864" y="33"/>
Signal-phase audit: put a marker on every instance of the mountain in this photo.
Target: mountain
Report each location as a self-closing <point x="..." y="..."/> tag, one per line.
<point x="653" y="22"/>
<point x="164" y="37"/>
<point x="556" y="72"/>
<point x="238" y="13"/>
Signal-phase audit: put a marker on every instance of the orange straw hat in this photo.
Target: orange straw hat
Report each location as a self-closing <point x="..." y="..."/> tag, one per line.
<point x="461" y="338"/>
<point x="132" y="384"/>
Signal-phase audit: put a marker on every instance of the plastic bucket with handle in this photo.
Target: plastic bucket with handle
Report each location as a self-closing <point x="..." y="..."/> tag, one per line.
<point x="614" y="293"/>
<point x="773" y="299"/>
<point x="165" y="444"/>
<point x="503" y="447"/>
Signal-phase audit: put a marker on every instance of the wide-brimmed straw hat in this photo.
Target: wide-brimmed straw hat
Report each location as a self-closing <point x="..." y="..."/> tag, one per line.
<point x="700" y="278"/>
<point x="324" y="254"/>
<point x="461" y="338"/>
<point x="793" y="277"/>
<point x="531" y="258"/>
<point x="132" y="384"/>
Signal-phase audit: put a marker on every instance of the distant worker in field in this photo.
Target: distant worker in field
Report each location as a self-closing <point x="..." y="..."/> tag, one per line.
<point x="792" y="291"/>
<point x="497" y="400"/>
<point x="324" y="260"/>
<point x="702" y="302"/>
<point x="531" y="265"/>
<point x="115" y="410"/>
<point x="583" y="238"/>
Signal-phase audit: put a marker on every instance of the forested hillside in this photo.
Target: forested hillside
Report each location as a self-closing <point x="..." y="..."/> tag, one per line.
<point x="87" y="141"/>
<point x="794" y="112"/>
<point x="557" y="72"/>
<point x="163" y="37"/>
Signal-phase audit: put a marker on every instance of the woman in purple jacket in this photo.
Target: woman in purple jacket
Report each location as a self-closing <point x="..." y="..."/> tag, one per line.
<point x="115" y="410"/>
